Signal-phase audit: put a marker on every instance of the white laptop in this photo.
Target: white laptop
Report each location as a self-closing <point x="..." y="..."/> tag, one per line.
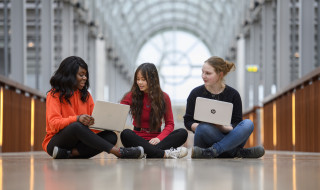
<point x="109" y="116"/>
<point x="213" y="111"/>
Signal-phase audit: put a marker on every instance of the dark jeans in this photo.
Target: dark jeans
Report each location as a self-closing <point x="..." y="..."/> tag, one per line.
<point x="226" y="144"/>
<point x="80" y="137"/>
<point x="173" y="140"/>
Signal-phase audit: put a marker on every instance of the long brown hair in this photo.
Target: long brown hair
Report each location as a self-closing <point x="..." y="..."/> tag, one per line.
<point x="155" y="94"/>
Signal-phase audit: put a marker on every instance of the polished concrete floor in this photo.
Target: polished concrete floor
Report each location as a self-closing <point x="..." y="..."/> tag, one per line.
<point x="276" y="170"/>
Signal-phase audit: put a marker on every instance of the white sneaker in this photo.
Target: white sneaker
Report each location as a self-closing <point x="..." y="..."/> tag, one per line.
<point x="175" y="153"/>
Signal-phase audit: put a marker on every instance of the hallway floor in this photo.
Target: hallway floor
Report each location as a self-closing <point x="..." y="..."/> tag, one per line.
<point x="276" y="170"/>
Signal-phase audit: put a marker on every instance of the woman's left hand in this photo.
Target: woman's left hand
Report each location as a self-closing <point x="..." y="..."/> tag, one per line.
<point x="224" y="128"/>
<point x="154" y="141"/>
<point x="227" y="128"/>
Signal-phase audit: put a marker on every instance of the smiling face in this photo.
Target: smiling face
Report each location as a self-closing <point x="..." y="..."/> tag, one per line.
<point x="81" y="78"/>
<point x="209" y="75"/>
<point x="142" y="82"/>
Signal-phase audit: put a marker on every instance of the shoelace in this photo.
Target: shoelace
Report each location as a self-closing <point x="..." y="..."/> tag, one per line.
<point x="129" y="152"/>
<point x="207" y="152"/>
<point x="173" y="152"/>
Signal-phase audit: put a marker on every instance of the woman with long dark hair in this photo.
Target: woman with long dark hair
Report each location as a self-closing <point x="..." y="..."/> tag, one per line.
<point x="69" y="106"/>
<point x="149" y="105"/>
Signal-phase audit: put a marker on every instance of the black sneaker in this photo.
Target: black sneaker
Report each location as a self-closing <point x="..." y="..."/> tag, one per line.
<point x="253" y="152"/>
<point x="198" y="152"/>
<point x="132" y="152"/>
<point x="59" y="153"/>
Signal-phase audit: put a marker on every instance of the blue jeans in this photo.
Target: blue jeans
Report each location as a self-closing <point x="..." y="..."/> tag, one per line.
<point x="226" y="144"/>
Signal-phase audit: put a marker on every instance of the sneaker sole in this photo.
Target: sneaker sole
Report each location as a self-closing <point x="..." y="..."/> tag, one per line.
<point x="55" y="152"/>
<point x="142" y="152"/>
<point x="184" y="152"/>
<point x="192" y="153"/>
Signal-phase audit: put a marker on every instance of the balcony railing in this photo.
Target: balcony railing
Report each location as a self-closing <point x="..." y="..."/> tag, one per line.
<point x="22" y="117"/>
<point x="290" y="119"/>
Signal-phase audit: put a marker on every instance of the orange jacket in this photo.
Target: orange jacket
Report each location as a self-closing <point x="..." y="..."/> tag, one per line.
<point x="59" y="115"/>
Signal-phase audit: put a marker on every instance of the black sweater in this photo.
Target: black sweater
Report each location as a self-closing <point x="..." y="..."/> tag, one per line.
<point x="229" y="94"/>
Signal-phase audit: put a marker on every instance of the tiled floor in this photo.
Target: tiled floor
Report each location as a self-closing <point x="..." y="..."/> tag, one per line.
<point x="276" y="170"/>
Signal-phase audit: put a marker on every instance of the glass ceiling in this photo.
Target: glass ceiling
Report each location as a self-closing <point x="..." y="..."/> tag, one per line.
<point x="128" y="25"/>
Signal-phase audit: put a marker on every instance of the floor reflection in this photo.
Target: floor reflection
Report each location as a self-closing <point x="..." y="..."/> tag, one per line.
<point x="276" y="170"/>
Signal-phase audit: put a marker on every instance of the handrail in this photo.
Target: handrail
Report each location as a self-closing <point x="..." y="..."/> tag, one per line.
<point x="15" y="85"/>
<point x="310" y="76"/>
<point x="22" y="117"/>
<point x="250" y="110"/>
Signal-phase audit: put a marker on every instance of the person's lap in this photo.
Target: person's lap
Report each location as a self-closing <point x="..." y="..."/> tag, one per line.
<point x="206" y="135"/>
<point x="67" y="139"/>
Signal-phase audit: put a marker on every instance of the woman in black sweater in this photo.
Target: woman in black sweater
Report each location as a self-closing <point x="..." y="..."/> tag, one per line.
<point x="211" y="140"/>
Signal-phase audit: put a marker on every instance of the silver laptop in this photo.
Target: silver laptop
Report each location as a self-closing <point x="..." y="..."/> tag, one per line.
<point x="213" y="111"/>
<point x="110" y="116"/>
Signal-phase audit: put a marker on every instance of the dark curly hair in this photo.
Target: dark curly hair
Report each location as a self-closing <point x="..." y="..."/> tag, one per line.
<point x="64" y="79"/>
<point x="155" y="94"/>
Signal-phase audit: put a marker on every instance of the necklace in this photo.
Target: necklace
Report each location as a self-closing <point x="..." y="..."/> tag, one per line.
<point x="215" y="96"/>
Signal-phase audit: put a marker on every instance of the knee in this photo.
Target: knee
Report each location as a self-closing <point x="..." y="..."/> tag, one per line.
<point x="202" y="129"/>
<point x="74" y="126"/>
<point x="125" y="133"/>
<point x="113" y="138"/>
<point x="183" y="133"/>
<point x="248" y="125"/>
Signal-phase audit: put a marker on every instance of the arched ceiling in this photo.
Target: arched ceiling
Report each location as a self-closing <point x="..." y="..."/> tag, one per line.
<point x="130" y="23"/>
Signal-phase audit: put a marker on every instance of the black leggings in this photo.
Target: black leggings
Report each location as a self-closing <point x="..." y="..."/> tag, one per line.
<point x="174" y="140"/>
<point x="78" y="136"/>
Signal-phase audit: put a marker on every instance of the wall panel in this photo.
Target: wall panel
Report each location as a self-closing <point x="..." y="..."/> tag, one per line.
<point x="301" y="132"/>
<point x="268" y="126"/>
<point x="316" y="134"/>
<point x="40" y="124"/>
<point x="16" y="122"/>
<point x="284" y="122"/>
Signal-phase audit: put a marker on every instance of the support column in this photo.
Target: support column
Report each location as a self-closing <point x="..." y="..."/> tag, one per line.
<point x="306" y="37"/>
<point x="256" y="49"/>
<point x="283" y="44"/>
<point x="67" y="30"/>
<point x="18" y="42"/>
<point x="92" y="64"/>
<point x="112" y="80"/>
<point x="100" y="70"/>
<point x="47" y="44"/>
<point x="246" y="98"/>
<point x="85" y="42"/>
<point x="267" y="48"/>
<point x="80" y="40"/>
<point x="5" y="67"/>
<point x="241" y="72"/>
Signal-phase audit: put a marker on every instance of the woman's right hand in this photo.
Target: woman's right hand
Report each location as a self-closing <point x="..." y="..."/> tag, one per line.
<point x="194" y="126"/>
<point x="86" y="119"/>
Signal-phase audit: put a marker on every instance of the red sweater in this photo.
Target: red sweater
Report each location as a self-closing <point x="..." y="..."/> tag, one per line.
<point x="168" y="117"/>
<point x="59" y="115"/>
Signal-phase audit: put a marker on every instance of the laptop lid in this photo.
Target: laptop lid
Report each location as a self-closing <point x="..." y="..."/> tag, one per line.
<point x="213" y="111"/>
<point x="109" y="116"/>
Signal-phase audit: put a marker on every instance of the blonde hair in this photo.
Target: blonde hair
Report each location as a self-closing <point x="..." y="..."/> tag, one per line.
<point x="220" y="65"/>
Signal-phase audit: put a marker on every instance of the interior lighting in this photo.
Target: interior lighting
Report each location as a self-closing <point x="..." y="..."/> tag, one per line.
<point x="274" y="110"/>
<point x="32" y="124"/>
<point x="252" y="68"/>
<point x="293" y="119"/>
